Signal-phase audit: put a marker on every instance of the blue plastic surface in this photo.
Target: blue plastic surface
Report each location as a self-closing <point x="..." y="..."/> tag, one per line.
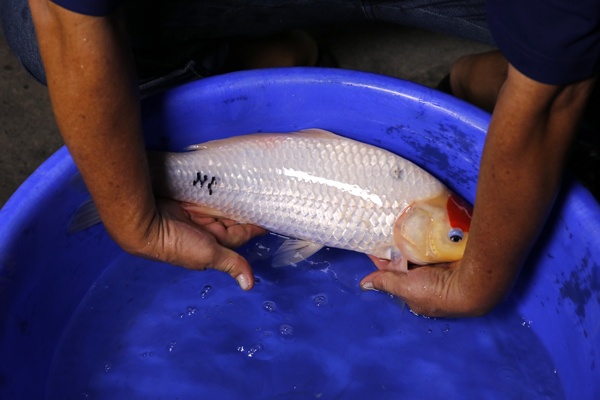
<point x="79" y="319"/>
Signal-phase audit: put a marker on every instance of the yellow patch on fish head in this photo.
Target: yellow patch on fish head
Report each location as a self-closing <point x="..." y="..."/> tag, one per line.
<point x="429" y="231"/>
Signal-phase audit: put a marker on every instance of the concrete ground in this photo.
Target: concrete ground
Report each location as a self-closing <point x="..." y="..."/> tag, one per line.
<point x="28" y="133"/>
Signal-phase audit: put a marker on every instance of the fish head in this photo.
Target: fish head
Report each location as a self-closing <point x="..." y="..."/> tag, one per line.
<point x="435" y="230"/>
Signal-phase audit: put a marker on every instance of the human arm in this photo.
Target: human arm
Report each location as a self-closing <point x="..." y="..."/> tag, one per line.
<point x="532" y="127"/>
<point x="94" y="97"/>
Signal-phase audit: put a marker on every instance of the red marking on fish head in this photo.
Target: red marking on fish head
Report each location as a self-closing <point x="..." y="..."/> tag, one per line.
<point x="459" y="212"/>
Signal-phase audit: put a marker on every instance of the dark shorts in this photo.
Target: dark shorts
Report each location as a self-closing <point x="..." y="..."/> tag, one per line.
<point x="175" y="38"/>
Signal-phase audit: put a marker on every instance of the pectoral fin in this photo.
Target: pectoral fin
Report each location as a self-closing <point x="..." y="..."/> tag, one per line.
<point x="202" y="210"/>
<point x="293" y="251"/>
<point x="397" y="261"/>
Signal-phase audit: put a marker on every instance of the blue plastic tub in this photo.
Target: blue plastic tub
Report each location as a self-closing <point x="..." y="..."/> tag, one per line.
<point x="79" y="319"/>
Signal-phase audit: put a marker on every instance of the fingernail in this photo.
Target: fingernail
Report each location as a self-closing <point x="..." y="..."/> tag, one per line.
<point x="367" y="286"/>
<point x="242" y="281"/>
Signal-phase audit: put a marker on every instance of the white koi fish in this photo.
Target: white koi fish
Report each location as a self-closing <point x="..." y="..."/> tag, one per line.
<point x="322" y="190"/>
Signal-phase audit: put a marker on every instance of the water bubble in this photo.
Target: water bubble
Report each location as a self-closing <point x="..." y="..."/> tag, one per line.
<point x="447" y="329"/>
<point x="191" y="310"/>
<point x="250" y="351"/>
<point x="507" y="374"/>
<point x="269" y="306"/>
<point x="413" y="313"/>
<point x="107" y="367"/>
<point x="429" y="330"/>
<point x="260" y="246"/>
<point x="286" y="330"/>
<point x="526" y="323"/>
<point x="261" y="251"/>
<point x="171" y="346"/>
<point x="206" y="291"/>
<point x="320" y="300"/>
<point x="254" y="349"/>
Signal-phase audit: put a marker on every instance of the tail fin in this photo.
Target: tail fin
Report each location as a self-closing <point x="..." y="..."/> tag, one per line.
<point x="85" y="217"/>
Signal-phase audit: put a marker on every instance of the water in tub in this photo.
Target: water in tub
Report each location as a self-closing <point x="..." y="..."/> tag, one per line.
<point x="152" y="331"/>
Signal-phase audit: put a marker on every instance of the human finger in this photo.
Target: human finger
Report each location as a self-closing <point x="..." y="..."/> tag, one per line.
<point x="389" y="281"/>
<point x="233" y="236"/>
<point x="235" y="265"/>
<point x="426" y="290"/>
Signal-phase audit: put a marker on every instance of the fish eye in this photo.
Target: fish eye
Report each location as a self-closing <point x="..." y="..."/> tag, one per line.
<point x="455" y="235"/>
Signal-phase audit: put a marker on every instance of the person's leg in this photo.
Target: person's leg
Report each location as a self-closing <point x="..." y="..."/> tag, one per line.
<point x="461" y="18"/>
<point x="188" y="39"/>
<point x="229" y="34"/>
<point x="475" y="78"/>
<point x="286" y="49"/>
<point x="478" y="78"/>
<point x="20" y="34"/>
<point x="182" y="39"/>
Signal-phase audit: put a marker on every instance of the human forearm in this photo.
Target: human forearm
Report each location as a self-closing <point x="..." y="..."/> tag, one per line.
<point x="93" y="93"/>
<point x="94" y="96"/>
<point x="528" y="141"/>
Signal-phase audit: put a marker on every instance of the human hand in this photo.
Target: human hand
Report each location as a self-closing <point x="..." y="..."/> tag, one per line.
<point x="198" y="241"/>
<point x="434" y="290"/>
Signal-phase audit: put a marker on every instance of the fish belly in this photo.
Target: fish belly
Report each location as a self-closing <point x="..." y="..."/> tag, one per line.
<point x="312" y="185"/>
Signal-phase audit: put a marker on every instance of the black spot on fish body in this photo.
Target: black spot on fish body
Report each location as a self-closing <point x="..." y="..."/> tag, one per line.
<point x="398" y="173"/>
<point x="199" y="179"/>
<point x="211" y="184"/>
<point x="202" y="179"/>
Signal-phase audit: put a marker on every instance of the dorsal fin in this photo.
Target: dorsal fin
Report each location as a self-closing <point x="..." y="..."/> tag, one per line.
<point x="312" y="132"/>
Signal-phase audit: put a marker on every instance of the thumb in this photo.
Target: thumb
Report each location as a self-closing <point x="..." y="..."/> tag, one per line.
<point x="235" y="265"/>
<point x="393" y="282"/>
